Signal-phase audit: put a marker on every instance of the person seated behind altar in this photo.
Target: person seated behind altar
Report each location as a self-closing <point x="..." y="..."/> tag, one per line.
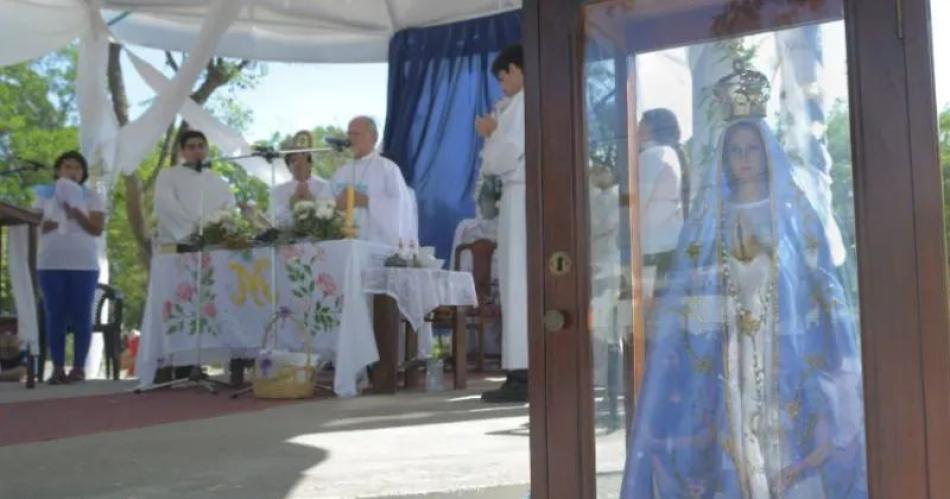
<point x="382" y="200"/>
<point x="189" y="192"/>
<point x="469" y="230"/>
<point x="304" y="186"/>
<point x="483" y="226"/>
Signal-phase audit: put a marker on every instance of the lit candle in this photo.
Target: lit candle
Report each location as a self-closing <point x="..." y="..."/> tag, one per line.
<point x="350" y="202"/>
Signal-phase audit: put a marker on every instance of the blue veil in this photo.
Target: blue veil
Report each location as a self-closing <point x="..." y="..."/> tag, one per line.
<point x="681" y="440"/>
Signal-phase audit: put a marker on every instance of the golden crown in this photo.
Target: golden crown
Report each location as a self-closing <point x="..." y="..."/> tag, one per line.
<point x="302" y="140"/>
<point x="744" y="93"/>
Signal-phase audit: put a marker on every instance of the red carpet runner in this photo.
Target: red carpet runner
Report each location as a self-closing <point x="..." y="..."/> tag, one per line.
<point x="35" y="421"/>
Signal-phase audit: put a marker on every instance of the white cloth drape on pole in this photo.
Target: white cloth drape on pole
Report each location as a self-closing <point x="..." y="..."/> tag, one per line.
<point x="97" y="135"/>
<point x="18" y="254"/>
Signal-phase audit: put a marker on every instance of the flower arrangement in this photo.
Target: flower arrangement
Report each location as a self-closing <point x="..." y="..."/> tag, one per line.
<point x="226" y="229"/>
<point x="318" y="220"/>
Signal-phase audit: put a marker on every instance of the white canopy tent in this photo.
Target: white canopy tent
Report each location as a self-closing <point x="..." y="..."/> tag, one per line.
<point x="271" y="30"/>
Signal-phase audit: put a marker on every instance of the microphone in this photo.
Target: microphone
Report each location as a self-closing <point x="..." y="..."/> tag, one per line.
<point x="337" y="143"/>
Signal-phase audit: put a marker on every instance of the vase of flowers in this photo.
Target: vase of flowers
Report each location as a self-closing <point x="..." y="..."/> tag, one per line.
<point x="319" y="220"/>
<point x="224" y="228"/>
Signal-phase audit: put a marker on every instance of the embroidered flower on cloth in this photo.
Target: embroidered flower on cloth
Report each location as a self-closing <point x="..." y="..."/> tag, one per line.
<point x="210" y="310"/>
<point x="184" y="292"/>
<point x="326" y="284"/>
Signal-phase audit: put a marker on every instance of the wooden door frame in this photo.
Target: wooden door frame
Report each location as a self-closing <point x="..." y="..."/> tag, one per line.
<point x="901" y="254"/>
<point x="560" y="382"/>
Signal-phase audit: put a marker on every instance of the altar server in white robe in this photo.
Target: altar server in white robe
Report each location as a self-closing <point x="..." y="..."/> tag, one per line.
<point x="605" y="267"/>
<point x="384" y="205"/>
<point x="304" y="186"/>
<point x="190" y="192"/>
<point x="503" y="155"/>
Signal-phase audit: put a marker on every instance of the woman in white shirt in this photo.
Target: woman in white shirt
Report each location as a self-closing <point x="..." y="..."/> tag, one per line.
<point x="664" y="194"/>
<point x="68" y="263"/>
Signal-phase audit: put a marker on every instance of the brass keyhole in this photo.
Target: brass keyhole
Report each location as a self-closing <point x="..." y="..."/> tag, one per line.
<point x="559" y="264"/>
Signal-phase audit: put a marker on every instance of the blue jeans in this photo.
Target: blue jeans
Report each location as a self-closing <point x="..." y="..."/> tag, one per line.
<point x="67" y="302"/>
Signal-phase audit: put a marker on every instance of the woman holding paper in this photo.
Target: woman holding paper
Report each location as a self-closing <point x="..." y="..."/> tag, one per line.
<point x="68" y="263"/>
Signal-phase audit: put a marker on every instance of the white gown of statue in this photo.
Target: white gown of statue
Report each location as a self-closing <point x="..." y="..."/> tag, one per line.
<point x="503" y="155"/>
<point x="749" y="371"/>
<point x="184" y="197"/>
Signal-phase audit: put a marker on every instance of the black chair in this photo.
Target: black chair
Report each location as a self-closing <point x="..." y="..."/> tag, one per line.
<point x="109" y="323"/>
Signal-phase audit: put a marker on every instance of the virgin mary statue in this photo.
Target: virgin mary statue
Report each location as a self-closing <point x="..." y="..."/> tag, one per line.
<point x="753" y="379"/>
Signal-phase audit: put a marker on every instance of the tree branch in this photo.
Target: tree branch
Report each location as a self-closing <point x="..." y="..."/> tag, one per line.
<point x="120" y="101"/>
<point x="171" y="61"/>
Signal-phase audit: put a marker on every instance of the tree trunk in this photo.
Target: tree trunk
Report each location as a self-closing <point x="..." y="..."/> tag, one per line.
<point x="134" y="207"/>
<point x="218" y="73"/>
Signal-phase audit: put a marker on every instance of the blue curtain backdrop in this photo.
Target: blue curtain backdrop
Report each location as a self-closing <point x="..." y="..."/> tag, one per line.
<point x="439" y="81"/>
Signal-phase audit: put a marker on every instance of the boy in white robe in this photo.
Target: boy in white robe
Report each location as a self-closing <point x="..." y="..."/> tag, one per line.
<point x="503" y="155"/>
<point x="189" y="193"/>
<point x="304" y="186"/>
<point x="384" y="205"/>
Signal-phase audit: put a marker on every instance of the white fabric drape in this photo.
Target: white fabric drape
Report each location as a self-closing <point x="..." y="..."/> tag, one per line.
<point x="296" y="30"/>
<point x="32" y="29"/>
<point x="18" y="253"/>
<point x="271" y="30"/>
<point x="137" y="138"/>
<point x="228" y="140"/>
<point x="97" y="135"/>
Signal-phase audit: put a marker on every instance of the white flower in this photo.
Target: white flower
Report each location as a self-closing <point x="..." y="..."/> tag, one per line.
<point x="324" y="214"/>
<point x="220" y="216"/>
<point x="304" y="206"/>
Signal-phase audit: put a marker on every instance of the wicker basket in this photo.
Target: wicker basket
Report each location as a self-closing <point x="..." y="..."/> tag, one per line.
<point x="282" y="374"/>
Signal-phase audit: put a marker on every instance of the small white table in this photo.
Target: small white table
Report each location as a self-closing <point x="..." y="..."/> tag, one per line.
<point x="416" y="293"/>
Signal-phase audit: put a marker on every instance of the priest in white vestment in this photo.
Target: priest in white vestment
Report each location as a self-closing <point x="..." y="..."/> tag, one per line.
<point x="503" y="155"/>
<point x="189" y="193"/>
<point x="385" y="207"/>
<point x="304" y="186"/>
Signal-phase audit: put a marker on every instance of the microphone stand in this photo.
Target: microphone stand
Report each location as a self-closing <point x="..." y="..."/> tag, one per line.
<point x="197" y="376"/>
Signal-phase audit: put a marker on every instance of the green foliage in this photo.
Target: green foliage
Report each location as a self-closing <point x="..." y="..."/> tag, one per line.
<point x="838" y="138"/>
<point x="944" y="131"/>
<point x="246" y="187"/>
<point x="37" y="118"/>
<point x="126" y="269"/>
